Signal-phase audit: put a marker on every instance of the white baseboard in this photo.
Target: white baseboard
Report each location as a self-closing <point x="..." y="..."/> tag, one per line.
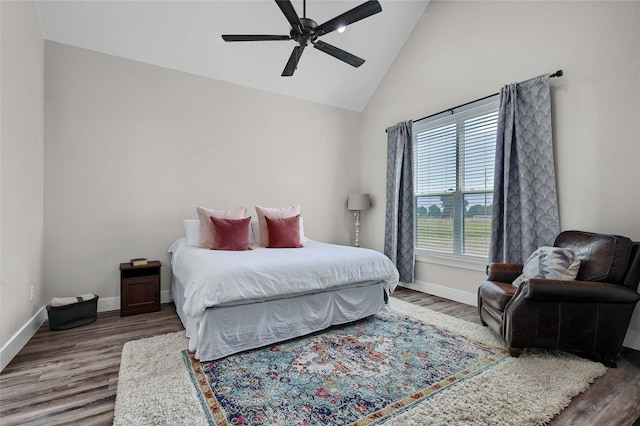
<point x="108" y="304"/>
<point x="631" y="340"/>
<point x="443" y="291"/>
<point x="20" y="339"/>
<point x="17" y="342"/>
<point x="113" y="303"/>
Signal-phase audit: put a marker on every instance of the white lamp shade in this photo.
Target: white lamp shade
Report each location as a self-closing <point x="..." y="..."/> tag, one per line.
<point x="359" y="202"/>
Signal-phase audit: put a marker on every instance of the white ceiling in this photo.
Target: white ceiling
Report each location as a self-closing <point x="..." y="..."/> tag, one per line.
<point x="185" y="36"/>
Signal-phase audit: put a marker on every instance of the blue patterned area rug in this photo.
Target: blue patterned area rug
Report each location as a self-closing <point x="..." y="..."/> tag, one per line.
<point x="356" y="374"/>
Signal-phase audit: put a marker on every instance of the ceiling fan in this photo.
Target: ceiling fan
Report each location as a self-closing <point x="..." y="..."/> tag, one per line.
<point x="305" y="31"/>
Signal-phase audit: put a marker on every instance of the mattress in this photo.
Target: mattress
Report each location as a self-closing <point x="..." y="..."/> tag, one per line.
<point x="221" y="278"/>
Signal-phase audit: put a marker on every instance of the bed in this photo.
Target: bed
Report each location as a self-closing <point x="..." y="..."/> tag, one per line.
<point x="231" y="301"/>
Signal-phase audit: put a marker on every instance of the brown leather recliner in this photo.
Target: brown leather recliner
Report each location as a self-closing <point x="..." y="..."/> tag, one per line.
<point x="589" y="315"/>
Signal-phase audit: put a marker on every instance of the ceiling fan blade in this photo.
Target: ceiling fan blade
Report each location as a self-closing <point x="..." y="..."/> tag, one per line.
<point x="338" y="53"/>
<point x="354" y="15"/>
<point x="292" y="63"/>
<point x="290" y="13"/>
<point x="254" y="37"/>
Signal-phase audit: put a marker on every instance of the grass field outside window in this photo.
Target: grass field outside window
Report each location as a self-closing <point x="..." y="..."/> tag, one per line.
<point x="436" y="234"/>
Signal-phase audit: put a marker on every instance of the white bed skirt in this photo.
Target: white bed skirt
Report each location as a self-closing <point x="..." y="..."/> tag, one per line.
<point x="227" y="330"/>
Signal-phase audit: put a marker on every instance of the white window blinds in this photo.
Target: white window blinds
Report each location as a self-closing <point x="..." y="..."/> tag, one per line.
<point x="454" y="155"/>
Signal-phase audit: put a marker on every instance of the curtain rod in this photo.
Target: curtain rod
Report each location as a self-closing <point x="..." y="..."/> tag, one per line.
<point x="558" y="73"/>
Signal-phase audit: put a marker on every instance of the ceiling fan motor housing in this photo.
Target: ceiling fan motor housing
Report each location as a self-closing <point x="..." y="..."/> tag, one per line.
<point x="306" y="33"/>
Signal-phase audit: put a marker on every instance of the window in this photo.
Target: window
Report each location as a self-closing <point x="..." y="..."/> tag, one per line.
<point x="454" y="156"/>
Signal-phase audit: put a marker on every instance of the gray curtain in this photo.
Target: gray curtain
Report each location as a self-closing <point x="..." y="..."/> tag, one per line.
<point x="399" y="217"/>
<point x="525" y="204"/>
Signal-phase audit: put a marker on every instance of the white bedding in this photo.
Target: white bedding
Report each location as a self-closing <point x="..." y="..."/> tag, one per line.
<point x="230" y="329"/>
<point x="233" y="301"/>
<point x="214" y="278"/>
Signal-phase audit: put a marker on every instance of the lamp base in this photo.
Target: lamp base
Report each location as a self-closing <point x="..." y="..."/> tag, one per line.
<point x="357" y="241"/>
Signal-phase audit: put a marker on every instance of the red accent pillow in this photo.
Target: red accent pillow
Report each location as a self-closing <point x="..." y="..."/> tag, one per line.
<point x="207" y="231"/>
<point x="273" y="213"/>
<point x="284" y="232"/>
<point x="231" y="234"/>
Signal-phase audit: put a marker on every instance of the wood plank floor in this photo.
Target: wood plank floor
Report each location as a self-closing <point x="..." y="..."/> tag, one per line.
<point x="70" y="377"/>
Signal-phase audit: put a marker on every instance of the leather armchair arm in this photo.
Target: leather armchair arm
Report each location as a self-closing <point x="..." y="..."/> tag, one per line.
<point x="544" y="290"/>
<point x="503" y="272"/>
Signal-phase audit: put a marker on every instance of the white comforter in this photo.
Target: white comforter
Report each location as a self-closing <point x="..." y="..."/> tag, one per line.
<point x="222" y="278"/>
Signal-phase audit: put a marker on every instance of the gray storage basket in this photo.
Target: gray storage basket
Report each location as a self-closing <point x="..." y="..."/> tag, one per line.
<point x="73" y="315"/>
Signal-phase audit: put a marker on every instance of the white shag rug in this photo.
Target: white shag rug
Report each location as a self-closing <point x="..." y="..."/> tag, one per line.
<point x="154" y="387"/>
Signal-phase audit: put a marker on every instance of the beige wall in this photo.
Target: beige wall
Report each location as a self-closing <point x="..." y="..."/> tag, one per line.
<point x="461" y="51"/>
<point x="131" y="150"/>
<point x="21" y="153"/>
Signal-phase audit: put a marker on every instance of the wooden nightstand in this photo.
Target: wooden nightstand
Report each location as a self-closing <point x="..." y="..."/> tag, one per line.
<point x="139" y="288"/>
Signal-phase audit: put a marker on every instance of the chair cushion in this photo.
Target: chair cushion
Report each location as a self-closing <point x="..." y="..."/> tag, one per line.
<point x="553" y="263"/>
<point x="604" y="258"/>
<point x="496" y="294"/>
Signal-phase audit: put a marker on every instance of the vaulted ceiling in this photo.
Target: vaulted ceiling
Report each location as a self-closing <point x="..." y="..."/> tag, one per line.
<point x="186" y="36"/>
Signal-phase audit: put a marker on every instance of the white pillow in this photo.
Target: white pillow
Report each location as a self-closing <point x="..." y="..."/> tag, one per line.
<point x="254" y="233"/>
<point x="302" y="237"/>
<point x="554" y="263"/>
<point x="192" y="232"/>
